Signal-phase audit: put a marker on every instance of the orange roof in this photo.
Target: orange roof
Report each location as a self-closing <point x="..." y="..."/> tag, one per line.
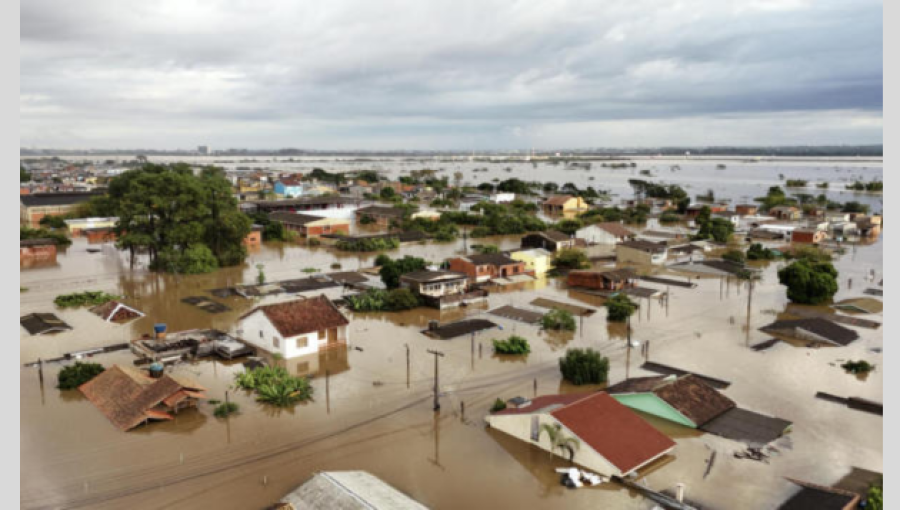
<point x="614" y="431"/>
<point x="157" y="415"/>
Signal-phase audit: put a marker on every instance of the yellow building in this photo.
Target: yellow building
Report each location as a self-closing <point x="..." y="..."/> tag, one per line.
<point x="537" y="260"/>
<point x="559" y="204"/>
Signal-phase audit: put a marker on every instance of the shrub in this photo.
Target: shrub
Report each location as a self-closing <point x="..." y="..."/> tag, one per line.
<point x="584" y="366"/>
<point x="571" y="258"/>
<point x="809" y="283"/>
<point x="558" y="319"/>
<point x="369" y="244"/>
<point x="196" y="259"/>
<point x="75" y="375"/>
<point x="378" y="300"/>
<point x="275" y="386"/>
<point x="366" y="220"/>
<point x="225" y="409"/>
<point x="619" y="308"/>
<point x="669" y="217"/>
<point x="758" y="252"/>
<point x="86" y="298"/>
<point x="499" y="405"/>
<point x="736" y="256"/>
<point x="512" y="345"/>
<point x="401" y="299"/>
<point x="313" y="241"/>
<point x="42" y="233"/>
<point x="858" y="367"/>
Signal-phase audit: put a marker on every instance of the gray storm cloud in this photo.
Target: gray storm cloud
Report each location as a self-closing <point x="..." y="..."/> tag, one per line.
<point x="449" y="75"/>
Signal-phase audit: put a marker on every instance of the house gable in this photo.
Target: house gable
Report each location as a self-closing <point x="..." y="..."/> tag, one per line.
<point x="651" y="404"/>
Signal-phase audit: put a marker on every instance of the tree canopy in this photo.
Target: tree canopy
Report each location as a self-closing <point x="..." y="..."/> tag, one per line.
<point x="185" y="222"/>
<point x="809" y="282"/>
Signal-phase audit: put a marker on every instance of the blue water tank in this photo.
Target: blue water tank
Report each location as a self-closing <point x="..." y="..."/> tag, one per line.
<point x="159" y="328"/>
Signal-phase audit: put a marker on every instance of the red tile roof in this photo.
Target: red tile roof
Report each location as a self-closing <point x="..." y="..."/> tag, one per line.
<point x="558" y="200"/>
<point x="303" y="316"/>
<point x="614" y="431"/>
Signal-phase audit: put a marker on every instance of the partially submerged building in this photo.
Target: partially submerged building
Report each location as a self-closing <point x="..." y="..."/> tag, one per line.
<point x="613" y="440"/>
<point x="35" y="206"/>
<point x="813" y="329"/>
<point x="685" y="400"/>
<point x="614" y="280"/>
<point x="128" y="397"/>
<point x="487" y="266"/>
<point x="295" y="328"/>
<point x="114" y="311"/>
<point x="537" y="260"/>
<point x="309" y="226"/>
<point x="609" y="232"/>
<point x="37" y="251"/>
<point x="641" y="252"/>
<point x="43" y="323"/>
<point x="379" y="215"/>
<point x="346" y="490"/>
<point x="559" y="204"/>
<point x="550" y="240"/>
<point x="442" y="289"/>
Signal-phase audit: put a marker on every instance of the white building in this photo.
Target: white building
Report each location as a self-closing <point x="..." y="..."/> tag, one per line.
<point x="295" y="328"/>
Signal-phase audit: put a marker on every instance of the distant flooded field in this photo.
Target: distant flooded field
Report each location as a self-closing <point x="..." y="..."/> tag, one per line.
<point x="377" y="417"/>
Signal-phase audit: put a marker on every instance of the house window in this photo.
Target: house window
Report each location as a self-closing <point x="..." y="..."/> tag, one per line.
<point x="276" y="342"/>
<point x="302" y="342"/>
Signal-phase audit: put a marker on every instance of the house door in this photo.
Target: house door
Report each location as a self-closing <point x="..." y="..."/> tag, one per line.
<point x="332" y="336"/>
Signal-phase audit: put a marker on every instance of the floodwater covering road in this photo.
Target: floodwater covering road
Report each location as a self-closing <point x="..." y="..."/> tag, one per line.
<point x="375" y="417"/>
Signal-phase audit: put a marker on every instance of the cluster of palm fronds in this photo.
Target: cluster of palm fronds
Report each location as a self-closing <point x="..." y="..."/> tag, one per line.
<point x="275" y="386"/>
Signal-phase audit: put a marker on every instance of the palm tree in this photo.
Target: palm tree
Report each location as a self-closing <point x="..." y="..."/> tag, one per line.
<point x="558" y="440"/>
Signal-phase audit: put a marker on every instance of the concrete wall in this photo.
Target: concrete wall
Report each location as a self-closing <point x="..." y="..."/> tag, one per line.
<point x="625" y="254"/>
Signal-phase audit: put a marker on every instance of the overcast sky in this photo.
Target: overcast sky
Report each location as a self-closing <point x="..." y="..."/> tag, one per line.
<point x="449" y="75"/>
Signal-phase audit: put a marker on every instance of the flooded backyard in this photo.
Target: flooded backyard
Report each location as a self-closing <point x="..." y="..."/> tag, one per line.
<point x="369" y="413"/>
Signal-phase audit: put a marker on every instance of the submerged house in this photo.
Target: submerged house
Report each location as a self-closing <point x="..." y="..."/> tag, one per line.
<point x="558" y="204"/>
<point x="614" y="280"/>
<point x="309" y="226"/>
<point x="685" y="400"/>
<point x="346" y="490"/>
<point x="613" y="440"/>
<point x="537" y="260"/>
<point x="129" y="398"/>
<point x="550" y="240"/>
<point x="43" y="323"/>
<point x="608" y="232"/>
<point x="295" y="328"/>
<point x="379" y="215"/>
<point x="641" y="252"/>
<point x="114" y="311"/>
<point x="813" y="330"/>
<point x="441" y="289"/>
<point x="487" y="266"/>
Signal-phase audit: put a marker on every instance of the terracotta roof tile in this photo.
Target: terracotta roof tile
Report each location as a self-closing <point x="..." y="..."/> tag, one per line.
<point x="695" y="399"/>
<point x="614" y="431"/>
<point x="303" y="316"/>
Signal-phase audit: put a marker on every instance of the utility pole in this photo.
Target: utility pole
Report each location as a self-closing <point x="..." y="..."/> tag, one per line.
<point x="327" y="393"/>
<point x="437" y="403"/>
<point x="628" y="348"/>
<point x="407" y="365"/>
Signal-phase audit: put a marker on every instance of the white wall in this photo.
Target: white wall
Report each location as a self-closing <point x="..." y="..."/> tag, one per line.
<point x="249" y="330"/>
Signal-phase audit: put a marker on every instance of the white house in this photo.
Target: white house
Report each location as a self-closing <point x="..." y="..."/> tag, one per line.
<point x="294" y="328"/>
<point x="605" y="233"/>
<point x="612" y="439"/>
<point x="641" y="252"/>
<point x="502" y="198"/>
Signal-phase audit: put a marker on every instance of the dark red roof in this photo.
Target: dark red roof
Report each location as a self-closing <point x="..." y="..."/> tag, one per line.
<point x="304" y="316"/>
<point x="614" y="431"/>
<point x="694" y="398"/>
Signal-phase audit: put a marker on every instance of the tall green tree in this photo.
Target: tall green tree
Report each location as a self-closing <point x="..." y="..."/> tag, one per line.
<point x="809" y="282"/>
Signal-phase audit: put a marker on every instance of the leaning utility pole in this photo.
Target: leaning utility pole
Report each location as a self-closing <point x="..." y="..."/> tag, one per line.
<point x="437" y="403"/>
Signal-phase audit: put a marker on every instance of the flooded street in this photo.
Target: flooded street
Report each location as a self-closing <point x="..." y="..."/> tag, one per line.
<point x="375" y="416"/>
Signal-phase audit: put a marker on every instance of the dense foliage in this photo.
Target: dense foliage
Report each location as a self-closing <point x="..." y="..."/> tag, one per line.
<point x="858" y="367"/>
<point x="758" y="252"/>
<point x="619" y="308"/>
<point x="275" y="386"/>
<point x="795" y="183"/>
<point x="368" y="244"/>
<point x="42" y="233"/>
<point x="866" y="186"/>
<point x="378" y="300"/>
<point x="73" y="376"/>
<point x="632" y="215"/>
<point x="497" y="219"/>
<point x="24" y="176"/>
<point x="718" y="229"/>
<point x="809" y="282"/>
<point x="558" y="319"/>
<point x="169" y="213"/>
<point x="875" y="496"/>
<point x="512" y="345"/>
<point x="86" y="298"/>
<point x="391" y="270"/>
<point x="225" y="409"/>
<point x="570" y="258"/>
<point x="272" y="230"/>
<point x="669" y="217"/>
<point x="734" y="255"/>
<point x="499" y="405"/>
<point x="584" y="366"/>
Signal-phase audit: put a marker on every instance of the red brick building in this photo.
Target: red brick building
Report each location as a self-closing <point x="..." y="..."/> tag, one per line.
<point x="481" y="268"/>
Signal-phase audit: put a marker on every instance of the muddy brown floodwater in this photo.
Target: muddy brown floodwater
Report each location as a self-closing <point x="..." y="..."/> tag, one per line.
<point x="372" y="419"/>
